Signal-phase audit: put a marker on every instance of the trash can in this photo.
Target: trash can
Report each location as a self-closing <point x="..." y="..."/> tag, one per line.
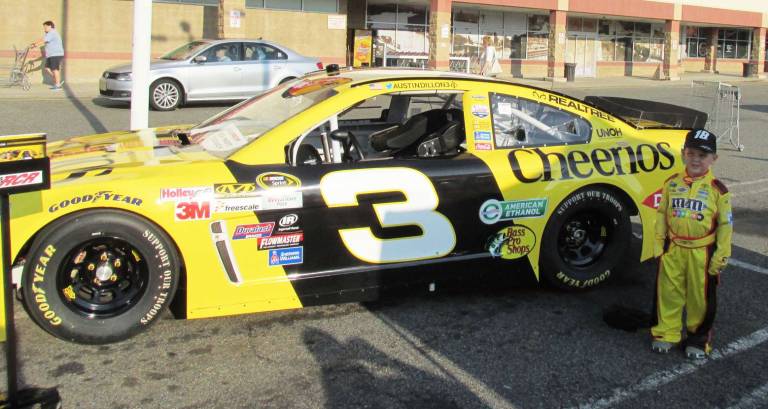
<point x="749" y="68"/>
<point x="570" y="71"/>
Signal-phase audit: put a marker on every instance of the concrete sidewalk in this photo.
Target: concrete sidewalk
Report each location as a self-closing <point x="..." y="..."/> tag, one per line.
<point x="90" y="90"/>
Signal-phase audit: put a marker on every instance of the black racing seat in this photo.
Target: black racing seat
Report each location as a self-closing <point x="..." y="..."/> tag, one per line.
<point x="420" y="126"/>
<point x="446" y="141"/>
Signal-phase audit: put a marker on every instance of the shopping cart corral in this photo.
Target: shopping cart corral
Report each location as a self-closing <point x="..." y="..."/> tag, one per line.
<point x="722" y="102"/>
<point x="16" y="74"/>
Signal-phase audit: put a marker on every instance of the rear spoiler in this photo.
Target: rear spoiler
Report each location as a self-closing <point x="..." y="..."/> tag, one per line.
<point x="650" y="114"/>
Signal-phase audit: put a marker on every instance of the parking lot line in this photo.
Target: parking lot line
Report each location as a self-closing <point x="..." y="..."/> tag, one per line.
<point x="758" y="398"/>
<point x="748" y="266"/>
<point x="658" y="379"/>
<point x="444" y="364"/>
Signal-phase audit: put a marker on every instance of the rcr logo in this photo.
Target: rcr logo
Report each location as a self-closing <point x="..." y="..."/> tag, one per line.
<point x="288" y="220"/>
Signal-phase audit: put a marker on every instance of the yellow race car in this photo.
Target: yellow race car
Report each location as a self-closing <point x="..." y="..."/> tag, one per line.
<point x="327" y="188"/>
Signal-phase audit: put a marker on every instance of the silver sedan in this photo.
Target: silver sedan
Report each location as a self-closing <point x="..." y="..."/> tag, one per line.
<point x="208" y="70"/>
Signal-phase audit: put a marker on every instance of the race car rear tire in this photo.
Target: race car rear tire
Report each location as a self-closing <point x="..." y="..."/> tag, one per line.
<point x="99" y="276"/>
<point x="586" y="238"/>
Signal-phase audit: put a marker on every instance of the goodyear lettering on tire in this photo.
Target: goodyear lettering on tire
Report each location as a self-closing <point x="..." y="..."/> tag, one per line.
<point x="41" y="298"/>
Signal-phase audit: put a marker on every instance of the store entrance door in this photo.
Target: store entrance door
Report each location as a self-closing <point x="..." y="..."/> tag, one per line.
<point x="580" y="49"/>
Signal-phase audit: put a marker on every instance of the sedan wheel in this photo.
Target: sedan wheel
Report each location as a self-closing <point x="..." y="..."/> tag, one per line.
<point x="166" y="95"/>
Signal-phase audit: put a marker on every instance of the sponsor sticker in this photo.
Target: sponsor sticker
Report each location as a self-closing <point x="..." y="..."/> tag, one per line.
<point x="483" y="147"/>
<point x="233" y="189"/>
<point x="280" y="240"/>
<point x="512" y="242"/>
<point x="608" y="133"/>
<point x="286" y="256"/>
<point x="480" y="110"/>
<point x="34" y="177"/>
<point x="253" y="231"/>
<point x="238" y="204"/>
<point x="482" y="136"/>
<point x="505" y="108"/>
<point x="192" y="211"/>
<point x="282" y="200"/>
<point x="653" y="200"/>
<point x="493" y="211"/>
<point x="104" y="195"/>
<point x="375" y="87"/>
<point x="289" y="222"/>
<point x="178" y="194"/>
<point x="273" y="180"/>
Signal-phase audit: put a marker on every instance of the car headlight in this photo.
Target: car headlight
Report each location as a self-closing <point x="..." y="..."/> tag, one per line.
<point x="126" y="76"/>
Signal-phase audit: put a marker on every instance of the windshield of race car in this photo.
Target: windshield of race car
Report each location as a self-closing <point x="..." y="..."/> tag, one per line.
<point x="227" y="132"/>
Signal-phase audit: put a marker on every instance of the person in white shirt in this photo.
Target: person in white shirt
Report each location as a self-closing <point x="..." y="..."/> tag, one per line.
<point x="489" y="60"/>
<point x="54" y="53"/>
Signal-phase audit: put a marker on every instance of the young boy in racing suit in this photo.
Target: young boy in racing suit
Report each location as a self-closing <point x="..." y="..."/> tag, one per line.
<point x="693" y="240"/>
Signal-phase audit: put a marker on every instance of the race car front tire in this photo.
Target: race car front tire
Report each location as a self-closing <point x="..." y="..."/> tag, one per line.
<point x="586" y="238"/>
<point x="99" y="276"/>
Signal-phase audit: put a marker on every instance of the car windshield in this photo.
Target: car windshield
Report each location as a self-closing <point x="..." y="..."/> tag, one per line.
<point x="225" y="133"/>
<point x="185" y="51"/>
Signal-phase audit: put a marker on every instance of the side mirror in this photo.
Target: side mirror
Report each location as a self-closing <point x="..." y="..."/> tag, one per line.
<point x="200" y="59"/>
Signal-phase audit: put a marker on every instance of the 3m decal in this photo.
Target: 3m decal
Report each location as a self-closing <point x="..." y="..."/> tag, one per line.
<point x="653" y="200"/>
<point x="280" y="240"/>
<point x="493" y="211"/>
<point x="286" y="256"/>
<point x="253" y="231"/>
<point x="272" y="180"/>
<point x="21" y="179"/>
<point x="192" y="211"/>
<point x="104" y="195"/>
<point x="186" y="194"/>
<point x="238" y="204"/>
<point x="581" y="165"/>
<point x="438" y="238"/>
<point x="233" y="188"/>
<point x="512" y="242"/>
<point x="482" y="136"/>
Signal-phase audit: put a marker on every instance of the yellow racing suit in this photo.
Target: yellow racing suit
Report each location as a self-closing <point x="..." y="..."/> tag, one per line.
<point x="694" y="225"/>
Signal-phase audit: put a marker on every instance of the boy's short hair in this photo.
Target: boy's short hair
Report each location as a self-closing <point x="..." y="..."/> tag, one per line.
<point x="701" y="139"/>
<point x="50" y="24"/>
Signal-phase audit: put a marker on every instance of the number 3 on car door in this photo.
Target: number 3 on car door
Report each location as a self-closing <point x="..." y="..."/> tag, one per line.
<point x="438" y="238"/>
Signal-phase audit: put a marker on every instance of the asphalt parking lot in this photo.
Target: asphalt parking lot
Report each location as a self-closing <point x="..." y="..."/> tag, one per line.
<point x="516" y="345"/>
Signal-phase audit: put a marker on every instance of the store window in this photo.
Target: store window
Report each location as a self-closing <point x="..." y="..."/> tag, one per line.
<point x="519" y="122"/>
<point x="630" y="41"/>
<point x="400" y="33"/>
<point x="198" y="2"/>
<point x="515" y="35"/>
<point x="320" y="6"/>
<point x="734" y="44"/>
<point x="695" y="41"/>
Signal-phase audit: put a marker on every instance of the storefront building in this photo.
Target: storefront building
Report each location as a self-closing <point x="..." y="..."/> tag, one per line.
<point x="535" y="38"/>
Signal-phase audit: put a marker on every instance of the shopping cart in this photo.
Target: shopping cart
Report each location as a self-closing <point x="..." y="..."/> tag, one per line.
<point x="17" y="73"/>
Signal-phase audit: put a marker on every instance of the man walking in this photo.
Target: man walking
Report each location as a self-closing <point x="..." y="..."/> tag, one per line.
<point x="54" y="53"/>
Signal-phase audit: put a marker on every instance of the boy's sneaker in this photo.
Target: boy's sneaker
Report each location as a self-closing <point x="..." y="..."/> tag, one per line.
<point x="695" y="352"/>
<point x="661" y="347"/>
